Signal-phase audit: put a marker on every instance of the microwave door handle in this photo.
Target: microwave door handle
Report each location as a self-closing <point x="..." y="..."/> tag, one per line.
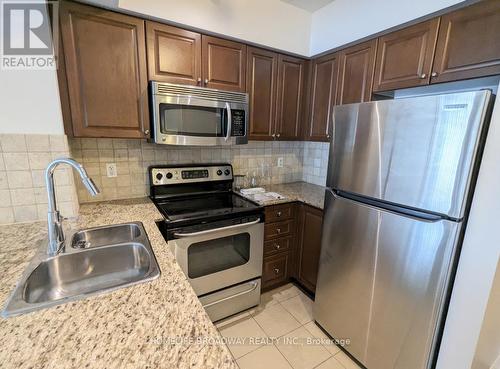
<point x="216" y="229"/>
<point x="229" y="122"/>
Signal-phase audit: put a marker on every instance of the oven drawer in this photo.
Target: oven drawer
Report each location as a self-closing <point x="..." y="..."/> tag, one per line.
<point x="275" y="269"/>
<point x="278" y="229"/>
<point x="277" y="245"/>
<point x="279" y="212"/>
<point x="232" y="300"/>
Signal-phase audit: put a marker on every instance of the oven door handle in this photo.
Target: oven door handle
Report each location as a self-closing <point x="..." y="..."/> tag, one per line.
<point x="254" y="286"/>
<point x="229" y="122"/>
<point x="216" y="229"/>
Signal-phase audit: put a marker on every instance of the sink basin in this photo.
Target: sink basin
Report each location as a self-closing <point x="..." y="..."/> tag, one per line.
<point x="109" y="235"/>
<point x="86" y="272"/>
<point x="108" y="264"/>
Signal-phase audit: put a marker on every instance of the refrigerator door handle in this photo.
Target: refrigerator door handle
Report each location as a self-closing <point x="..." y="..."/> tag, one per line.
<point x="411" y="213"/>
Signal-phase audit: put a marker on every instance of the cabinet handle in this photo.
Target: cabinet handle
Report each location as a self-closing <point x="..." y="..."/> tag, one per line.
<point x="278" y="135"/>
<point x="278" y="230"/>
<point x="423" y="75"/>
<point x="327" y="136"/>
<point x="199" y="80"/>
<point x="277" y="246"/>
<point x="146" y="132"/>
<point x="278" y="214"/>
<point x="273" y="135"/>
<point x="276" y="270"/>
<point x="206" y="81"/>
<point x="434" y="74"/>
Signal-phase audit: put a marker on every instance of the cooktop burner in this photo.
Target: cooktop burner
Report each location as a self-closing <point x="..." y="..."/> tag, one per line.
<point x="194" y="194"/>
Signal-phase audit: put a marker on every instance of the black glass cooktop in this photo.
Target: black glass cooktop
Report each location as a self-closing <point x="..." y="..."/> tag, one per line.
<point x="204" y="206"/>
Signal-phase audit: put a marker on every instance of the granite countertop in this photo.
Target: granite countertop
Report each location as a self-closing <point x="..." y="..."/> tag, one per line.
<point x="159" y="324"/>
<point x="308" y="193"/>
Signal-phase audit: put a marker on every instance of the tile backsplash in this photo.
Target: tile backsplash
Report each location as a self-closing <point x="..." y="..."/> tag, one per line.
<point x="315" y="162"/>
<point x="23" y="159"/>
<point x="132" y="158"/>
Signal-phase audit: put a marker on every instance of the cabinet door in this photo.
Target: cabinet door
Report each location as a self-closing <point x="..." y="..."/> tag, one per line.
<point x="404" y="58"/>
<point x="290" y="90"/>
<point x="174" y="54"/>
<point x="262" y="71"/>
<point x="310" y="223"/>
<point x="224" y="64"/>
<point x="105" y="60"/>
<point x="468" y="43"/>
<point x="323" y="90"/>
<point x="356" y="73"/>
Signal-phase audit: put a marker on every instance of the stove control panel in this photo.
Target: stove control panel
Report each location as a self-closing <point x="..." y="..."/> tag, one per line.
<point x="177" y="175"/>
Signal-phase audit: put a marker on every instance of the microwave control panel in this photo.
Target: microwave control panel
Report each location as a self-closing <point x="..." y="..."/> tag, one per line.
<point x="238" y="123"/>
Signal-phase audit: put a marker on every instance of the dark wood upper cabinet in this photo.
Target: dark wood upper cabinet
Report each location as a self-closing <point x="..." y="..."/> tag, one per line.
<point x="224" y="64"/>
<point x="262" y="76"/>
<point x="323" y="88"/>
<point x="105" y="62"/>
<point x="404" y="58"/>
<point x="356" y="73"/>
<point x="174" y="54"/>
<point x="291" y="73"/>
<point x="309" y="248"/>
<point x="468" y="43"/>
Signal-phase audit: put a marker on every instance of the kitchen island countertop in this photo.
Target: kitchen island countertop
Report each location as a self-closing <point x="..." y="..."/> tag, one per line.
<point x="158" y="324"/>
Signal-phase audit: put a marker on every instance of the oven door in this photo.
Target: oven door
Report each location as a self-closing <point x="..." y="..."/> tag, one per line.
<point x="217" y="258"/>
<point x="188" y="120"/>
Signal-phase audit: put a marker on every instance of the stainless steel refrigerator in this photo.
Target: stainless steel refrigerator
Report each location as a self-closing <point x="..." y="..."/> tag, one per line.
<point x="400" y="179"/>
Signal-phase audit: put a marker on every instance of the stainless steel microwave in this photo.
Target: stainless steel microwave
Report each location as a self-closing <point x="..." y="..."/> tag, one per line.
<point x="190" y="115"/>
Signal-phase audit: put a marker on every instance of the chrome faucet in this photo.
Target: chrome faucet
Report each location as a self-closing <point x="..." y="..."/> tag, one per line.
<point x="54" y="219"/>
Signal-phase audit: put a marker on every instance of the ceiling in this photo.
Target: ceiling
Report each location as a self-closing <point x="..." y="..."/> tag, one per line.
<point x="309" y="5"/>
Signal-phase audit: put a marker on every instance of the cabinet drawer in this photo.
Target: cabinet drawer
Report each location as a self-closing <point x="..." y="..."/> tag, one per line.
<point x="279" y="212"/>
<point x="275" y="269"/>
<point x="277" y="245"/>
<point x="278" y="229"/>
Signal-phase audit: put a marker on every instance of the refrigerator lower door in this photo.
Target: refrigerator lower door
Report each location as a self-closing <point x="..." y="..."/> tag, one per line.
<point x="382" y="282"/>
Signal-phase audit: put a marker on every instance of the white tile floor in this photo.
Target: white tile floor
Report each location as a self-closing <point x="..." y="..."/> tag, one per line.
<point x="281" y="333"/>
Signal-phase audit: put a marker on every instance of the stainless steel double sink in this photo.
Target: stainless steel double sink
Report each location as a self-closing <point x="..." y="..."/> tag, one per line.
<point x="97" y="260"/>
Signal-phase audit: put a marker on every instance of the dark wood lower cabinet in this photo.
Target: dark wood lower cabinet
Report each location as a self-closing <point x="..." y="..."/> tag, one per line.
<point x="276" y="270"/>
<point x="294" y="251"/>
<point x="279" y="245"/>
<point x="310" y="221"/>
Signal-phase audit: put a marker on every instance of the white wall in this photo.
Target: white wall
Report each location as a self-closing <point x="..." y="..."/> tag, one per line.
<point x="344" y="21"/>
<point x="29" y="102"/>
<point x="267" y="22"/>
<point x="488" y="346"/>
<point x="478" y="260"/>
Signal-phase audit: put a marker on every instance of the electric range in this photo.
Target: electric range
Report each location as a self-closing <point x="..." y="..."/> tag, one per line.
<point x="216" y="235"/>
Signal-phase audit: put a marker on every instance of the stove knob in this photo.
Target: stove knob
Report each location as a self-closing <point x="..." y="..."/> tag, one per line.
<point x="219" y="172"/>
<point x="159" y="176"/>
<point x="226" y="172"/>
<point x="169" y="175"/>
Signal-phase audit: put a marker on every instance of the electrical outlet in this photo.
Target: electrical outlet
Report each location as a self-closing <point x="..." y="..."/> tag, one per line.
<point x="280" y="162"/>
<point x="111" y="170"/>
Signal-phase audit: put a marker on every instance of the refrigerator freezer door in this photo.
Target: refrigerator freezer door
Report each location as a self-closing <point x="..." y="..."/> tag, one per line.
<point x="382" y="282"/>
<point x="418" y="152"/>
